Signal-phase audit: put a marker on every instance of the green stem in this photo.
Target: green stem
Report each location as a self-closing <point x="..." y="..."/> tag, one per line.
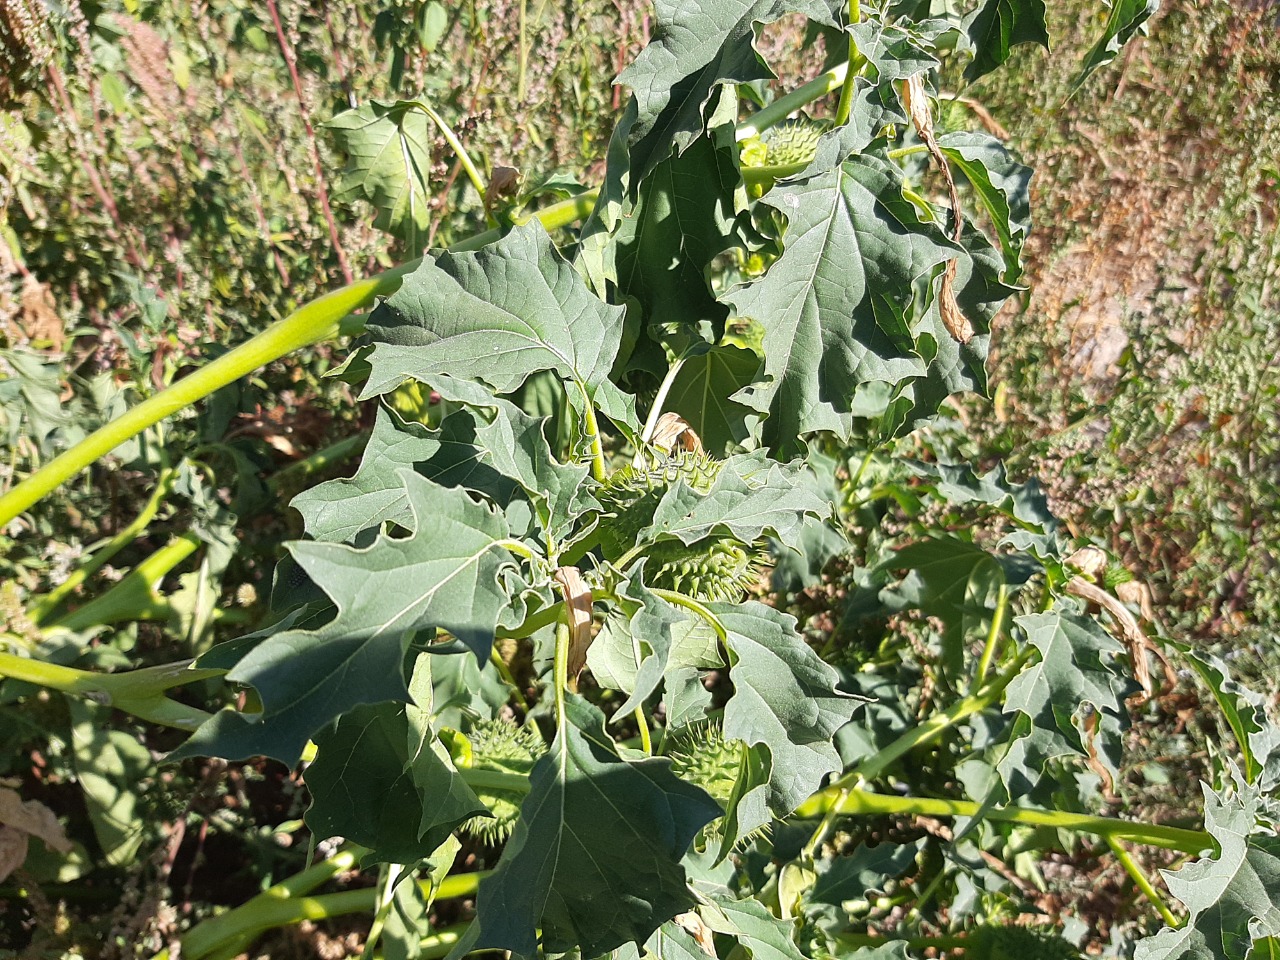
<point x="479" y="779"/>
<point x="44" y="608"/>
<point x="139" y="692"/>
<point x="451" y="138"/>
<point x="1140" y="879"/>
<point x="386" y="900"/>
<point x="593" y="430"/>
<point x="646" y="741"/>
<point x="314" y="321"/>
<point x="560" y="673"/>
<point x="680" y="600"/>
<point x="858" y="802"/>
<point x="936" y="725"/>
<point x="844" y="107"/>
<point x="322" y="459"/>
<point x="901" y="152"/>
<point x="829" y="800"/>
<point x="508" y="678"/>
<point x="266" y="911"/>
<point x="440" y="943"/>
<point x="137" y="596"/>
<point x="993" y="635"/>
<point x="659" y="401"/>
<point x="783" y="107"/>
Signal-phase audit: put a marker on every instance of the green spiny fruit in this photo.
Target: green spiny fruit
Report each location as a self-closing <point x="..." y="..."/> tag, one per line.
<point x="701" y="755"/>
<point x="792" y="141"/>
<point x="632" y="494"/>
<point x="1018" y="943"/>
<point x="711" y="569"/>
<point x="501" y="746"/>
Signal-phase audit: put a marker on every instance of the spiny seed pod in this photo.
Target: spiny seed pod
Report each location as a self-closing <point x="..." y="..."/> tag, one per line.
<point x="501" y="746"/>
<point x="1018" y="943"/>
<point x="701" y="755"/>
<point x="792" y="141"/>
<point x="632" y="494"/>
<point x="711" y="569"/>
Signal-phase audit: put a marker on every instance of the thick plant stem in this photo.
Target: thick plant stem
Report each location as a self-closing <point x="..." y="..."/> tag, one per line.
<point x="783" y="107"/>
<point x="1141" y="880"/>
<point x="455" y="144"/>
<point x="139" y="692"/>
<point x="322" y="459"/>
<point x="597" y="448"/>
<point x="680" y="600"/>
<point x="136" y="597"/>
<point x="308" y="324"/>
<point x="858" y="802"/>
<point x="279" y="906"/>
<point x="934" y="727"/>
<point x="560" y="673"/>
<point x="993" y="635"/>
<point x="659" y="401"/>
<point x="845" y="106"/>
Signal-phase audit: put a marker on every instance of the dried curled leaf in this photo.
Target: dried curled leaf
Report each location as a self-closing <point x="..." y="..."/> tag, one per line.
<point x="22" y="819"/>
<point x="577" y="601"/>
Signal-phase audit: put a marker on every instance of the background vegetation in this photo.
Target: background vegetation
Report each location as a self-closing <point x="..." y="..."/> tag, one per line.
<point x="168" y="186"/>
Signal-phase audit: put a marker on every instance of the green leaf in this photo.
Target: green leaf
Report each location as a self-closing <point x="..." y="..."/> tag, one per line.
<point x="109" y="765"/>
<point x="380" y="782"/>
<point x="682" y="219"/>
<point x="447" y="575"/>
<point x="594" y="861"/>
<point x="1126" y="19"/>
<point x="854" y="876"/>
<point x="953" y="580"/>
<point x="752" y="495"/>
<point x="1245" y="711"/>
<point x="632" y="651"/>
<point x="1234" y="897"/>
<point x="388" y="147"/>
<point x="702" y="394"/>
<point x="835" y="304"/>
<point x="671" y="942"/>
<point x="997" y="26"/>
<point x="759" y="932"/>
<point x="785" y="698"/>
<point x="1002" y="186"/>
<point x="515" y="444"/>
<point x="498" y="316"/>
<point x="894" y="51"/>
<point x="1078" y="667"/>
<point x="696" y="46"/>
<point x="340" y="509"/>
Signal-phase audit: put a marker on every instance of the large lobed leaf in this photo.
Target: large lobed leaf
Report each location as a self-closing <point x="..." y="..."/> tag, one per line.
<point x="996" y="26"/>
<point x="388" y="147"/>
<point x="594" y="861"/>
<point x="498" y="316"/>
<point x="752" y="495"/>
<point x="835" y="304"/>
<point x="1234" y="897"/>
<point x="446" y="576"/>
<point x="785" y="698"/>
<point x="698" y="45"/>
